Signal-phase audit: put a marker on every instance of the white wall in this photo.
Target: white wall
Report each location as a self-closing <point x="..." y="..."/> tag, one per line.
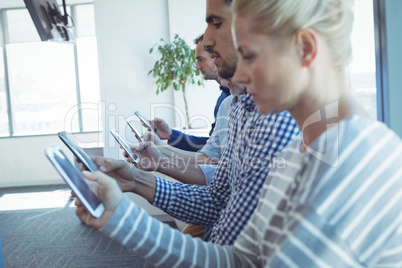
<point x="187" y="18"/>
<point x="23" y="161"/>
<point x="126" y="30"/>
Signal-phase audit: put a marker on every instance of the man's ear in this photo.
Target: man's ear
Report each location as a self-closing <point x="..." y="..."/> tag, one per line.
<point x="306" y="40"/>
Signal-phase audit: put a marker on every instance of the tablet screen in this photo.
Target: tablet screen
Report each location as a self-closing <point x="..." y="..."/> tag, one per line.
<point x="73" y="177"/>
<point x="85" y="159"/>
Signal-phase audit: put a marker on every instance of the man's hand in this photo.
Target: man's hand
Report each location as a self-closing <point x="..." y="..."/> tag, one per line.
<point x="151" y="157"/>
<point x="163" y="131"/>
<point x="109" y="194"/>
<point x="120" y="170"/>
<point x="151" y="136"/>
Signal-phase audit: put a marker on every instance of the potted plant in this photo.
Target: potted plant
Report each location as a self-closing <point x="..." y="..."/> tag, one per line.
<point x="175" y="68"/>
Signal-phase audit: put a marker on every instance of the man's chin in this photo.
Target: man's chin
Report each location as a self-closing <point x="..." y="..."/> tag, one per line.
<point x="226" y="72"/>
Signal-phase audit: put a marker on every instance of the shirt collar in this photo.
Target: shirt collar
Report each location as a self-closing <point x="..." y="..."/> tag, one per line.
<point x="225" y="89"/>
<point x="247" y="101"/>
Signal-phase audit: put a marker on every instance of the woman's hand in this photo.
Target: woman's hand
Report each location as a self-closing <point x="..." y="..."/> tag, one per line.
<point x="109" y="194"/>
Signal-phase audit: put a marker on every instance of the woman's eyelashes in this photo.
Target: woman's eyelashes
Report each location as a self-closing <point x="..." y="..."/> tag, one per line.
<point x="245" y="54"/>
<point x="247" y="57"/>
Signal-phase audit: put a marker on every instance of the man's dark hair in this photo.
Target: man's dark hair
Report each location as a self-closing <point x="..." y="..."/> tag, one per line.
<point x="227" y="2"/>
<point x="199" y="39"/>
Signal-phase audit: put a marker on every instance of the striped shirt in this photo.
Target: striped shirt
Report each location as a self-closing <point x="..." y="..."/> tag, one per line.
<point x="229" y="200"/>
<point x="338" y="205"/>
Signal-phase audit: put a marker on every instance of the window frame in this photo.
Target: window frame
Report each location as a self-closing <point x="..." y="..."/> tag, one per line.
<point x="3" y="42"/>
<point x="381" y="54"/>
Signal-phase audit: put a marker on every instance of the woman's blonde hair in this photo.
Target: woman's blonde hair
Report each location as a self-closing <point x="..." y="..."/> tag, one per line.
<point x="332" y="19"/>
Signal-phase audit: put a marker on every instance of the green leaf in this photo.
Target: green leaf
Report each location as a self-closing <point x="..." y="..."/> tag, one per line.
<point x="176" y="66"/>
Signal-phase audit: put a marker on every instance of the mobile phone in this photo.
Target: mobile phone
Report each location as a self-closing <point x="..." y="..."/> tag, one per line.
<point x="136" y="132"/>
<point x="71" y="143"/>
<point x="75" y="180"/>
<point x="125" y="146"/>
<point x="145" y="121"/>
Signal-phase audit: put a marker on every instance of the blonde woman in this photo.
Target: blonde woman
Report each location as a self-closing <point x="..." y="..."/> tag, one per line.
<point x="337" y="201"/>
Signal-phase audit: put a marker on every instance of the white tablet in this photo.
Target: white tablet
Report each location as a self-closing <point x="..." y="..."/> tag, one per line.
<point x="75" y="180"/>
<point x="85" y="159"/>
<point x="125" y="146"/>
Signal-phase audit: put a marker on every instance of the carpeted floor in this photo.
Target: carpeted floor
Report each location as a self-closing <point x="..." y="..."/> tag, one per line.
<point x="54" y="237"/>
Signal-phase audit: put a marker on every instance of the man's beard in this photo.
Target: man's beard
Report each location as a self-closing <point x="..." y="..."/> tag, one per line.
<point x="226" y="71"/>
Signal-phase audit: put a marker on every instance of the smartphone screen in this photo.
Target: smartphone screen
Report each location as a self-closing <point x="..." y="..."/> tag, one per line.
<point x="75" y="180"/>
<point x="145" y="121"/>
<point x="136" y="132"/>
<point x="125" y="146"/>
<point x="85" y="159"/>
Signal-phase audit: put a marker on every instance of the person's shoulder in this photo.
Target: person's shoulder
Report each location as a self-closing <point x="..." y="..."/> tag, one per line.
<point x="365" y="131"/>
<point x="355" y="160"/>
<point x="226" y="107"/>
<point x="228" y="101"/>
<point x="352" y="138"/>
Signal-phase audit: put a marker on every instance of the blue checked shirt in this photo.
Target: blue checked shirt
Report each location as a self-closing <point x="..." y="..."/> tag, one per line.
<point x="231" y="198"/>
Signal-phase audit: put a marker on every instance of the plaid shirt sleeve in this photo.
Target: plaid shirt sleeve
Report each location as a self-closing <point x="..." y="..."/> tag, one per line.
<point x="193" y="204"/>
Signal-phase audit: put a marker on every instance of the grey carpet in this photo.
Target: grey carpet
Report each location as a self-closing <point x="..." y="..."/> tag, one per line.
<point x="55" y="237"/>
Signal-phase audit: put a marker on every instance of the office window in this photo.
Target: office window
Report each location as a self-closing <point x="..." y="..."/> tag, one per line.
<point x="362" y="70"/>
<point x="47" y="81"/>
<point x="42" y="86"/>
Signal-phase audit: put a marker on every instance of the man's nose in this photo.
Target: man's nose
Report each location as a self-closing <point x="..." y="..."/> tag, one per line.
<point x="208" y="41"/>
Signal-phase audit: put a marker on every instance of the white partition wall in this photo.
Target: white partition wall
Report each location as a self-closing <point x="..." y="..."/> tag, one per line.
<point x="187" y="18"/>
<point x="126" y="30"/>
